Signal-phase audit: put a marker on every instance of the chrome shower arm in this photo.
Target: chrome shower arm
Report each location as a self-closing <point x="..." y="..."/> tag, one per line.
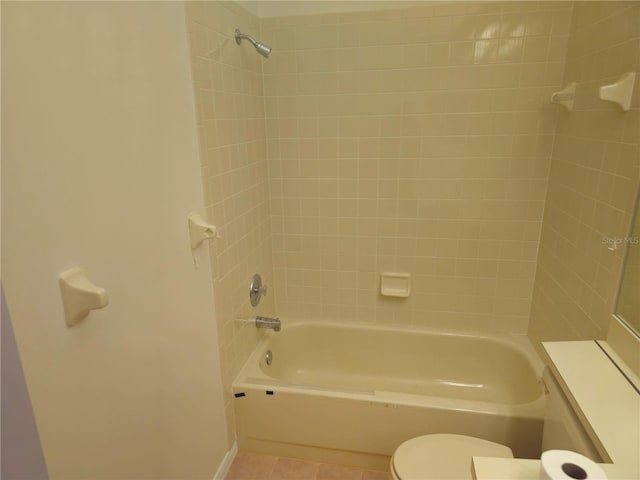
<point x="261" y="48"/>
<point x="243" y="36"/>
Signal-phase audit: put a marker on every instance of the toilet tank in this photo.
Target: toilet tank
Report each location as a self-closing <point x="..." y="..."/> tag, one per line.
<point x="562" y="428"/>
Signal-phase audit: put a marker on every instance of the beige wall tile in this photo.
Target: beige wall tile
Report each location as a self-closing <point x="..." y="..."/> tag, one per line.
<point x="421" y="140"/>
<point x="442" y="117"/>
<point x="590" y="198"/>
<point x="230" y="108"/>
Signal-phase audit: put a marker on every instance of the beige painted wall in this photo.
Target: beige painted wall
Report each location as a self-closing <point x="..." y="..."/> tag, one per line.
<point x="100" y="170"/>
<point x="593" y="178"/>
<point x="415" y="140"/>
<point x="230" y="114"/>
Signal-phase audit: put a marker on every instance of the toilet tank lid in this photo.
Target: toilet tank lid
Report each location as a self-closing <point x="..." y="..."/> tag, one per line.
<point x="443" y="456"/>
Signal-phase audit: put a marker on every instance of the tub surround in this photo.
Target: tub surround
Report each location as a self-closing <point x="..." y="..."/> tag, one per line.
<point x="228" y="91"/>
<point x="592" y="181"/>
<point x="420" y="139"/>
<point x="414" y="139"/>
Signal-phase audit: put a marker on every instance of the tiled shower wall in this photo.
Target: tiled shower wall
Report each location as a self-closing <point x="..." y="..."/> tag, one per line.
<point x="229" y="100"/>
<point x="415" y="140"/>
<point x="596" y="161"/>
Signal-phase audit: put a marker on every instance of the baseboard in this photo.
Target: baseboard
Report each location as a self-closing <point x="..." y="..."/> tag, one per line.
<point x="223" y="469"/>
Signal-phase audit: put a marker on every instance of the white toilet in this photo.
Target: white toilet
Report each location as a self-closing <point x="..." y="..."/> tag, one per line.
<point x="441" y="456"/>
<point x="447" y="456"/>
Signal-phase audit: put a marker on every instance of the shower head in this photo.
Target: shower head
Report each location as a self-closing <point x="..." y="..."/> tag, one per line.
<point x="261" y="48"/>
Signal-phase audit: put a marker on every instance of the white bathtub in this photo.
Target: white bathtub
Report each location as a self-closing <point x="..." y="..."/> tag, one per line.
<point x="352" y="394"/>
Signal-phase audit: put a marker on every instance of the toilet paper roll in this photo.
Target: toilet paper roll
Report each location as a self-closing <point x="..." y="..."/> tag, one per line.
<point x="568" y="465"/>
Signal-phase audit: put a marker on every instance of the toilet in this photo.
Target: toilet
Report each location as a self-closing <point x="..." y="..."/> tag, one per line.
<point x="441" y="456"/>
<point x="448" y="456"/>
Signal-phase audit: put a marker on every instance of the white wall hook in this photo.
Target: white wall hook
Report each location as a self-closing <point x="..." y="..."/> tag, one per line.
<point x="79" y="295"/>
<point x="199" y="230"/>
<point x="565" y="97"/>
<point x="621" y="91"/>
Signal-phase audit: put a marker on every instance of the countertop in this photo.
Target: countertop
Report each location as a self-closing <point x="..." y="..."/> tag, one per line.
<point x="604" y="400"/>
<point x="485" y="468"/>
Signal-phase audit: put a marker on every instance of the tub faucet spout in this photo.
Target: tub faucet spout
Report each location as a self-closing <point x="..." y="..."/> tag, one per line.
<point x="267" y="322"/>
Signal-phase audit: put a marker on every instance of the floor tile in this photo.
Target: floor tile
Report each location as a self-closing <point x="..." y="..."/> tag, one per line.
<point x="376" y="475"/>
<point x="293" y="469"/>
<point x="251" y="466"/>
<point x="338" y="472"/>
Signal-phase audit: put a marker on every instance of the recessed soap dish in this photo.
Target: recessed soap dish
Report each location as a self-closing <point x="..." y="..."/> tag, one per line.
<point x="395" y="284"/>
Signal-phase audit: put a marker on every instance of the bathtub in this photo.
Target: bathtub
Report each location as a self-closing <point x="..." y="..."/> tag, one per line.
<point x="351" y="394"/>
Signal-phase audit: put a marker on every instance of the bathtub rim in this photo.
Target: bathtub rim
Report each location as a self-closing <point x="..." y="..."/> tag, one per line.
<point x="519" y="340"/>
<point x="251" y="376"/>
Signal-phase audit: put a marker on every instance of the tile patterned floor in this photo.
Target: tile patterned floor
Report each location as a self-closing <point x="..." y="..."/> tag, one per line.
<point x="252" y="466"/>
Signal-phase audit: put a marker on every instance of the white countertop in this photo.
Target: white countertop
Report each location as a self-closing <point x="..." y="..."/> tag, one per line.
<point x="604" y="400"/>
<point x="606" y="403"/>
<point x="486" y="468"/>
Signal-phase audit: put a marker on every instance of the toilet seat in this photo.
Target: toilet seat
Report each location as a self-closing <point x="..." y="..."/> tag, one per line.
<point x="442" y="456"/>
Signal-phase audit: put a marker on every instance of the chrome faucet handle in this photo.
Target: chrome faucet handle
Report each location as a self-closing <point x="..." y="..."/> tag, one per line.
<point x="256" y="290"/>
